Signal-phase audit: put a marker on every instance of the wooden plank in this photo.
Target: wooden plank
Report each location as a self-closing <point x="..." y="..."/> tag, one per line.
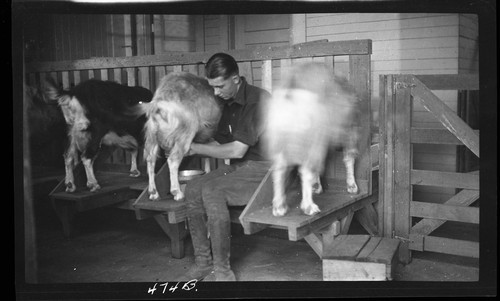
<point x="117" y="75"/>
<point x="260" y="198"/>
<point x="445" y="212"/>
<point x="345" y="247"/>
<point x="65" y="80"/>
<point x="76" y="77"/>
<point x="177" y="68"/>
<point x="267" y="75"/>
<point x="199" y="33"/>
<point x="385" y="251"/>
<point x="297" y="28"/>
<point x="445" y="179"/>
<point x="402" y="165"/>
<point x="316" y="243"/>
<point x="450" y="81"/>
<point x="451" y="246"/>
<point x="445" y="115"/>
<point x="435" y="136"/>
<point x="463" y="198"/>
<point x="180" y="58"/>
<point x="359" y="78"/>
<point x="144" y="77"/>
<point x="384" y="208"/>
<point x="369" y="248"/>
<point x="104" y="74"/>
<point x="340" y="270"/>
<point x="367" y="217"/>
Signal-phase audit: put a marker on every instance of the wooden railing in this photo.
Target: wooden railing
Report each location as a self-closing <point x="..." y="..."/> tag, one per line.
<point x="396" y="167"/>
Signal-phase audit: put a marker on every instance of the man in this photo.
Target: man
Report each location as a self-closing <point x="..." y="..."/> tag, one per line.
<point x="237" y="138"/>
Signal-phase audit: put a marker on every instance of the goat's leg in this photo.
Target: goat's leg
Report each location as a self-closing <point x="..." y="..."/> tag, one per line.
<point x="317" y="188"/>
<point x="89" y="171"/>
<point x="70" y="158"/>
<point x="279" y="172"/>
<point x="150" y="153"/>
<point x="349" y="158"/>
<point x="174" y="160"/>
<point x="134" y="171"/>
<point x="308" y="178"/>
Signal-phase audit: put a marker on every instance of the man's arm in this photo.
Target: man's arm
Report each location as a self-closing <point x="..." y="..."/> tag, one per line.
<point x="231" y="150"/>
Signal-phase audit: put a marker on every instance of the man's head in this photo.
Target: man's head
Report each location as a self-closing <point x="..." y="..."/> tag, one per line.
<point x="222" y="74"/>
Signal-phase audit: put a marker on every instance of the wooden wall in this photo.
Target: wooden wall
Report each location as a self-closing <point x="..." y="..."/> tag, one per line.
<point x="59" y="37"/>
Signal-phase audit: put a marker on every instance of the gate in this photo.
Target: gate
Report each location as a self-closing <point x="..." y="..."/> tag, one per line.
<point x="397" y="207"/>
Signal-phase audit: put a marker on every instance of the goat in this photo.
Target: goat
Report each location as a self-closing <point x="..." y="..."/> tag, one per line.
<point x="98" y="113"/>
<point x="311" y="113"/>
<point x="184" y="109"/>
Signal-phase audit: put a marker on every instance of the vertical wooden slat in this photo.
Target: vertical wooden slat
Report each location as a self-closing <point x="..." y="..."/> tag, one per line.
<point x="402" y="167"/>
<point x="160" y="73"/>
<point x="192" y="69"/>
<point x="104" y="74"/>
<point x="286" y="64"/>
<point x="90" y="74"/>
<point x="144" y="77"/>
<point x="65" y="79"/>
<point x="177" y="68"/>
<point x="267" y="76"/>
<point x="76" y="77"/>
<point x="386" y="155"/>
<point x="117" y="75"/>
<point x="131" y="80"/>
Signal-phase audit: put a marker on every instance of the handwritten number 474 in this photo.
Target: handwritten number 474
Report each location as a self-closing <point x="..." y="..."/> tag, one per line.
<point x="186" y="287"/>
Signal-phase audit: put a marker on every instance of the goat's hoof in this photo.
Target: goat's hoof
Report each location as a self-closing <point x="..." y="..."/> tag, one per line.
<point x="70" y="187"/>
<point x="93" y="187"/>
<point x="352" y="189"/>
<point x="154" y="196"/>
<point x="311" y="209"/>
<point x="280" y="210"/>
<point x="135" y="173"/>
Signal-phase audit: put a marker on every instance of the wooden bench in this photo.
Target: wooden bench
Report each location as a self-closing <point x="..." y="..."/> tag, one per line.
<point x="359" y="258"/>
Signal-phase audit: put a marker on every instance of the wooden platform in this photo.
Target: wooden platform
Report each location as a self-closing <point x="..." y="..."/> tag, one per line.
<point x="115" y="189"/>
<point x="359" y="258"/>
<point x="335" y="203"/>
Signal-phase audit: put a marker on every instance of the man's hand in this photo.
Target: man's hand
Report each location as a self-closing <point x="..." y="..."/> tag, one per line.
<point x="191" y="150"/>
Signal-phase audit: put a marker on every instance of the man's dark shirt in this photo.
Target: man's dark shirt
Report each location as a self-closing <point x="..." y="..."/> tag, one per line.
<point x="242" y="120"/>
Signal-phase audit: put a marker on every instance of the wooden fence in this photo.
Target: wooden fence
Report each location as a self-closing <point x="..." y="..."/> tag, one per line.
<point x="397" y="209"/>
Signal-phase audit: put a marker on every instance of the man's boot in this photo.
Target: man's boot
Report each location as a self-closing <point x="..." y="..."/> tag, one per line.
<point x="220" y="236"/>
<point x="201" y="244"/>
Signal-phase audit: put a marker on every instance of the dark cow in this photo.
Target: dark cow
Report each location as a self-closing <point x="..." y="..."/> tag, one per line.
<point x="99" y="113"/>
<point x="184" y="109"/>
<point x="310" y="114"/>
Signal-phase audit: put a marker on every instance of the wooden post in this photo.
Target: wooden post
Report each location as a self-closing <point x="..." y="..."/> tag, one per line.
<point x="386" y="156"/>
<point x="359" y="77"/>
<point x="402" y="165"/>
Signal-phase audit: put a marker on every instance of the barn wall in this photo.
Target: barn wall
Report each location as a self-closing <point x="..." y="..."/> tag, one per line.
<point x="407" y="43"/>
